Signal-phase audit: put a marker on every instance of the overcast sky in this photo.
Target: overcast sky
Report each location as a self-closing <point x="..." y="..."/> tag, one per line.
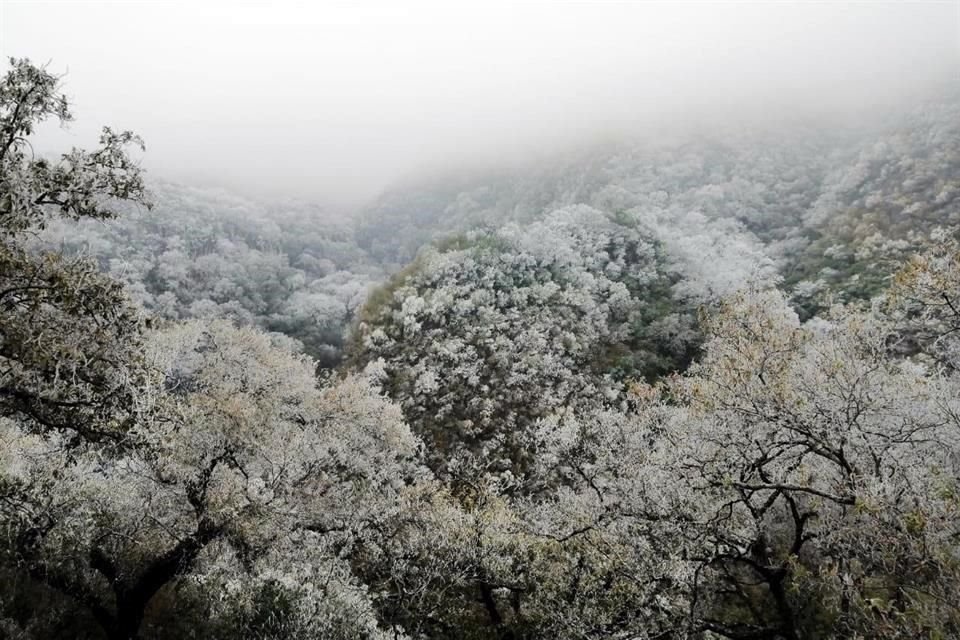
<point x="335" y="101"/>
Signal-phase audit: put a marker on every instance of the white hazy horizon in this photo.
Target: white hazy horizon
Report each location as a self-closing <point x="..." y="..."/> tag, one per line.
<point x="334" y="102"/>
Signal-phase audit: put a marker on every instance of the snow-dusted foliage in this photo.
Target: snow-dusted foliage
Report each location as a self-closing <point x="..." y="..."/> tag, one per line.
<point x="800" y="481"/>
<point x="584" y="411"/>
<point x="925" y="301"/>
<point x="712" y="258"/>
<point x="483" y="337"/>
<point x="821" y="475"/>
<point x="834" y="207"/>
<point x="205" y="253"/>
<point x="142" y="472"/>
<point x="241" y="474"/>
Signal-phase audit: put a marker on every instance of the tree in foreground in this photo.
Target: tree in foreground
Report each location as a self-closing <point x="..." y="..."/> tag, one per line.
<point x="196" y="470"/>
<point x="819" y="472"/>
<point x="69" y="351"/>
<point x="242" y="478"/>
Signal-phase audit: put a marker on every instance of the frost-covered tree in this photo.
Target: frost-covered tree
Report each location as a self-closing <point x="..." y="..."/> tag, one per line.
<point x="925" y="301"/>
<point x="69" y="347"/>
<point x="483" y="337"/>
<point x="241" y="475"/>
<point x="799" y="482"/>
<point x="196" y="480"/>
<point x="821" y="479"/>
<point x="206" y="253"/>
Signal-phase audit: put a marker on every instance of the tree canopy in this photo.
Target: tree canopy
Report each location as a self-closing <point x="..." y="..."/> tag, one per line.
<point x="677" y="392"/>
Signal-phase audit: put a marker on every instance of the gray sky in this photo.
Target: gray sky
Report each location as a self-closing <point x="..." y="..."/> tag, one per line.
<point x="334" y="101"/>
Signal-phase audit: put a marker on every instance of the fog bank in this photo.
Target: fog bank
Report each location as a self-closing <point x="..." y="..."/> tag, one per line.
<point x="335" y="102"/>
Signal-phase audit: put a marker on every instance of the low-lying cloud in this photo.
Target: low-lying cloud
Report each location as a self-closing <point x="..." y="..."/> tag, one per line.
<point x="336" y="102"/>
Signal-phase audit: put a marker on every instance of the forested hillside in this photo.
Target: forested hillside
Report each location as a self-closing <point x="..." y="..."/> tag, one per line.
<point x="789" y="194"/>
<point x="691" y="387"/>
<point x="828" y="213"/>
<point x="288" y="268"/>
